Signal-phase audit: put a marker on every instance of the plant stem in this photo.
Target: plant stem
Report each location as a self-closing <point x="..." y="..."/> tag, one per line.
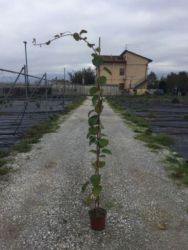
<point x="97" y="201"/>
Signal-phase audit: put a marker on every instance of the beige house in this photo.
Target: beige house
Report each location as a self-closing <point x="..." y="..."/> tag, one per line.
<point x="129" y="71"/>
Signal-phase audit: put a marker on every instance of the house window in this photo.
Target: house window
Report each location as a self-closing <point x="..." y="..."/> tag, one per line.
<point x="121" y="71"/>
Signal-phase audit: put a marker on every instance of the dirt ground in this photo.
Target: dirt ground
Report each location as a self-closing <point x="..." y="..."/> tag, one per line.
<point x="41" y="205"/>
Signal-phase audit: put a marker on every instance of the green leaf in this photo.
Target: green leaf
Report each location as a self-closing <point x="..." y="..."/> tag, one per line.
<point x="101" y="164"/>
<point x="93" y="120"/>
<point x="97" y="190"/>
<point x="88" y="200"/>
<point x="93" y="151"/>
<point x="94" y="99"/>
<point x="102" y="156"/>
<point x="90" y="45"/>
<point x="92" y="140"/>
<point x="95" y="179"/>
<point x="93" y="90"/>
<point x="91" y="134"/>
<point x="107" y="70"/>
<point x="98" y="50"/>
<point x="84" y="186"/>
<point x="76" y="36"/>
<point x="90" y="112"/>
<point x="83" y="31"/>
<point x="106" y="151"/>
<point x="97" y="60"/>
<point x="101" y="80"/>
<point x="94" y="164"/>
<point x="103" y="142"/>
<point x="99" y="107"/>
<point x="93" y="130"/>
<point x="48" y="43"/>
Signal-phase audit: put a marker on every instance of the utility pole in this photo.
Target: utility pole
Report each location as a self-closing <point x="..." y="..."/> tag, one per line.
<point x="64" y="87"/>
<point x="98" y="68"/>
<point x="26" y="65"/>
<point x="100" y="43"/>
<point x="64" y="74"/>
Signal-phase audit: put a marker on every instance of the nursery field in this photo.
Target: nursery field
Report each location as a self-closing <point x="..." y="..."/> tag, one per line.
<point x="42" y="206"/>
<point x="17" y="116"/>
<point x="163" y="115"/>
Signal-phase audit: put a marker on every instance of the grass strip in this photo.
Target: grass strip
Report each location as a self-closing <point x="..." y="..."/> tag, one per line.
<point x="4" y="170"/>
<point x="176" y="166"/>
<point x="141" y="127"/>
<point x="34" y="134"/>
<point x="3" y="160"/>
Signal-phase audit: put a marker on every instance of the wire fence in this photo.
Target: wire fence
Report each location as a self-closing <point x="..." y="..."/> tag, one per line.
<point x="20" y="85"/>
<point x="26" y="100"/>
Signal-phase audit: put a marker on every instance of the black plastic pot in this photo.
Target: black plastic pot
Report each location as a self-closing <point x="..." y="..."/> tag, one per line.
<point x="97" y="218"/>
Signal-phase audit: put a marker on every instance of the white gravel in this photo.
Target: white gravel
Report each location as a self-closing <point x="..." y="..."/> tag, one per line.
<point x="41" y="206"/>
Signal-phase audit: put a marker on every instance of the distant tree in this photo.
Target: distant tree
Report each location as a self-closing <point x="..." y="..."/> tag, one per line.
<point x="163" y="86"/>
<point x="89" y="76"/>
<point x="183" y="82"/>
<point x="84" y="76"/>
<point x="152" y="80"/>
<point x="76" y="77"/>
<point x="171" y="81"/>
<point x="177" y="81"/>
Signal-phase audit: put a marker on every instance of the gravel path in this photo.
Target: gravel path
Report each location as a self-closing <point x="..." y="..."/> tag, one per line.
<point x="41" y="207"/>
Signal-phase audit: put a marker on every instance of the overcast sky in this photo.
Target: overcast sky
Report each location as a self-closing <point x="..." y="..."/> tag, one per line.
<point x="156" y="29"/>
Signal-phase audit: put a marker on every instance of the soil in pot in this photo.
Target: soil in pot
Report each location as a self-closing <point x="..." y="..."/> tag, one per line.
<point x="97" y="218"/>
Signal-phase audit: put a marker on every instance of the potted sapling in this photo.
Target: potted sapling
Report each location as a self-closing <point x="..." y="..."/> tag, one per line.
<point x="98" y="139"/>
<point x="95" y="136"/>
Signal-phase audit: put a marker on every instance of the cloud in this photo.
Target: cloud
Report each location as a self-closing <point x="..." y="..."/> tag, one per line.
<point x="155" y="29"/>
